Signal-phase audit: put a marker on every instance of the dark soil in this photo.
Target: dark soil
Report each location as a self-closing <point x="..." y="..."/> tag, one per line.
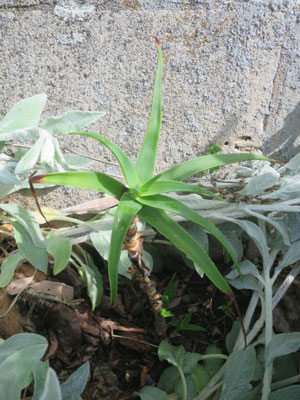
<point x="120" y="341"/>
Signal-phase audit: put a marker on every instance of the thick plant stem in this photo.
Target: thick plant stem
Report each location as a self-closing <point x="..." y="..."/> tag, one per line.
<point x="148" y="287"/>
<point x="134" y="244"/>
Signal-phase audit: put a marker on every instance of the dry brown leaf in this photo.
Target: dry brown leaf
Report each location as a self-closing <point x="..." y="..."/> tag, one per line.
<point x="48" y="212"/>
<point x="58" y="289"/>
<point x="17" y="286"/>
<point x="90" y="329"/>
<point x="65" y="323"/>
<point x="12" y="322"/>
<point x="26" y="270"/>
<point x="53" y="345"/>
<point x="91" y="206"/>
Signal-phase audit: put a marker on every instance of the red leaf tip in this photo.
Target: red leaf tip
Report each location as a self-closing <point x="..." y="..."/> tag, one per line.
<point x="37" y="178"/>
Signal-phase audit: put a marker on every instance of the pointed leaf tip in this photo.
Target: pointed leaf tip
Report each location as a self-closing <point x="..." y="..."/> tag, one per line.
<point x="156" y="40"/>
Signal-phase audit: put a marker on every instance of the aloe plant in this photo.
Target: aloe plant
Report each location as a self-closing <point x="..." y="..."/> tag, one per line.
<point x="143" y="195"/>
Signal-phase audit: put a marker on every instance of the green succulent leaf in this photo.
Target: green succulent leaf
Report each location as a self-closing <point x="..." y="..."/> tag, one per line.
<point x="128" y="169"/>
<point x="145" y="162"/>
<point x="181" y="239"/>
<point x="126" y="210"/>
<point x="174" y="206"/>
<point x="198" y="164"/>
<point x="85" y="180"/>
<point x="165" y="186"/>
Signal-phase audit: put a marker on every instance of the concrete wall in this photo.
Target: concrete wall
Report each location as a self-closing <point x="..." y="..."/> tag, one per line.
<point x="231" y="70"/>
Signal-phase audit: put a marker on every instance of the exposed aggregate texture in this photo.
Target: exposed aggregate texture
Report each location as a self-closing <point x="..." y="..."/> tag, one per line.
<point x="231" y="71"/>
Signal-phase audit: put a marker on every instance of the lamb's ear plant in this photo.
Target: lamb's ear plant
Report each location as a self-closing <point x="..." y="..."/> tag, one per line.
<point x="143" y="194"/>
<point x="23" y="122"/>
<point x="268" y="367"/>
<point x="20" y="365"/>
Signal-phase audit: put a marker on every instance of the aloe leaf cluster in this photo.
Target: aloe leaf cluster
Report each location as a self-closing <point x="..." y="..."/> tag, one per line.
<point x="143" y="194"/>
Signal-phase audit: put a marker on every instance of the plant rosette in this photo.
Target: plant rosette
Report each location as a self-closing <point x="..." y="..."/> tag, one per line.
<point x="143" y="195"/>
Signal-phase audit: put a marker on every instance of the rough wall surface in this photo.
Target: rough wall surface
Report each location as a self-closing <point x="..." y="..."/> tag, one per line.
<point x="231" y="71"/>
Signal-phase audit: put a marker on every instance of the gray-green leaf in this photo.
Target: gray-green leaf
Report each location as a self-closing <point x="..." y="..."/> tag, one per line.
<point x="29" y="160"/>
<point x="26" y="113"/>
<point x="190" y="361"/>
<point x="19" y="355"/>
<point x="232" y="336"/>
<point x="75" y="384"/>
<point x="19" y="341"/>
<point x="254" y="232"/>
<point x="60" y="249"/>
<point x="101" y="241"/>
<point x="174" y="355"/>
<point x="93" y="280"/>
<point x="284" y="343"/>
<point x="77" y="161"/>
<point x="260" y="183"/>
<point x="239" y="371"/>
<point x="37" y="256"/>
<point x="250" y="277"/>
<point x="6" y="177"/>
<point x="291" y="256"/>
<point x="168" y="379"/>
<point x="8" y="267"/>
<point x="71" y="121"/>
<point x="287" y="393"/>
<point x="191" y="387"/>
<point x="212" y="365"/>
<point x="28" y="222"/>
<point x="52" y="388"/>
<point x="39" y="375"/>
<point x="151" y="393"/>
